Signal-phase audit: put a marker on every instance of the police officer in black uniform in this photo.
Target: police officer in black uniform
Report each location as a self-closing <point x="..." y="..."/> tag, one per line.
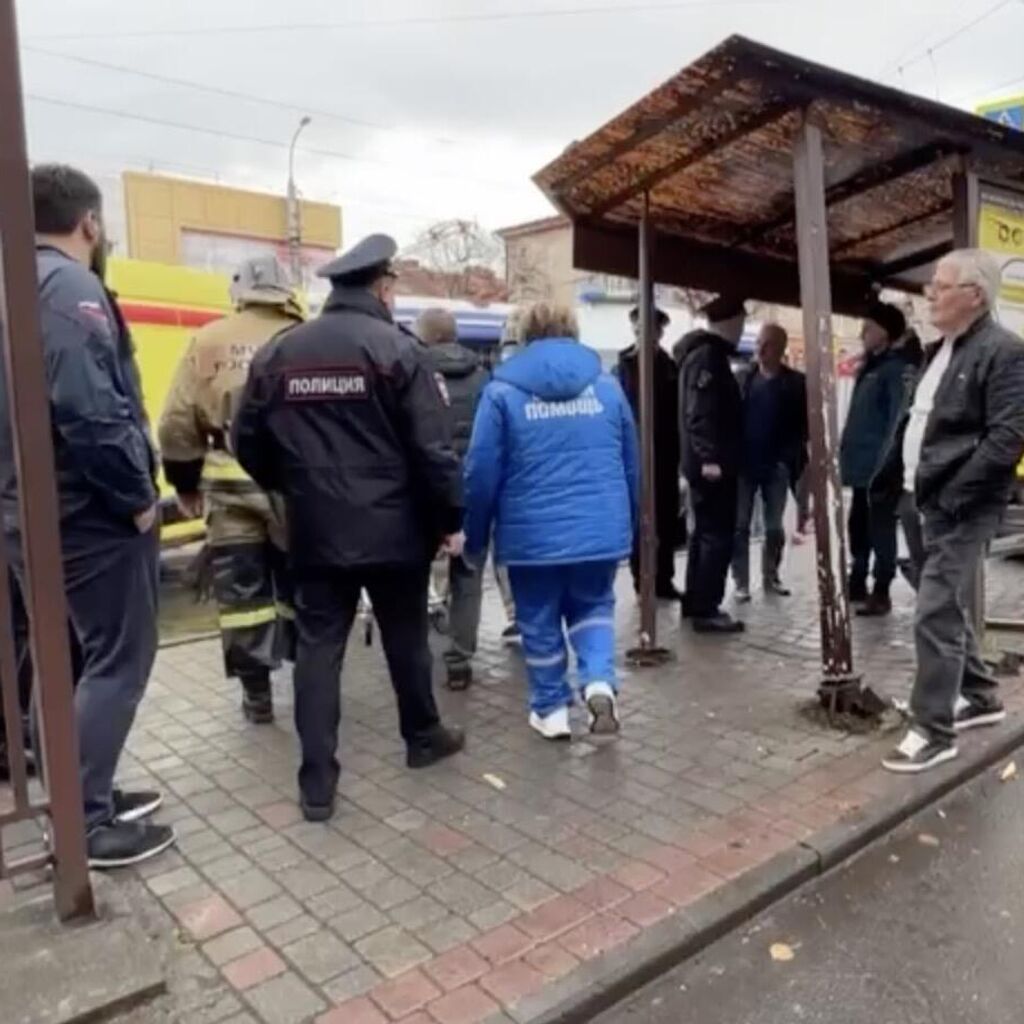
<point x="344" y="418"/>
<point x="710" y="422"/>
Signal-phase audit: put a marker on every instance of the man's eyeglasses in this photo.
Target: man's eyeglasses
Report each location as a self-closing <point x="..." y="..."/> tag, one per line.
<point x="936" y="288"/>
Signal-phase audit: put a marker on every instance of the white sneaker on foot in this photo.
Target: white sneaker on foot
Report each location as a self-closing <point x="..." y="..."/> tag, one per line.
<point x="554" y="726"/>
<point x="601" y="705"/>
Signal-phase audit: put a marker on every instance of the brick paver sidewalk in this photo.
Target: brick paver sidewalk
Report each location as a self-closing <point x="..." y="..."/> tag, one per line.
<point x="448" y="896"/>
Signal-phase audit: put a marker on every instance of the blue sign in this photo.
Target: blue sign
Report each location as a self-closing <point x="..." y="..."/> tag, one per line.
<point x="1010" y="115"/>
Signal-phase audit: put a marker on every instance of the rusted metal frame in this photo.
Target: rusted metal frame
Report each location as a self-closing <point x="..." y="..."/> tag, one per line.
<point x="913" y="260"/>
<point x="816" y="301"/>
<point x="608" y="248"/>
<point x="37" y="496"/>
<point x="648" y="129"/>
<point x="747" y="124"/>
<point x="866" y="180"/>
<point x="918" y="218"/>
<point x="9" y="687"/>
<point x="645" y="359"/>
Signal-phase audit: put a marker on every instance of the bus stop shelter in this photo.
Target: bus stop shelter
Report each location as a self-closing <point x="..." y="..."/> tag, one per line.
<point x="760" y="174"/>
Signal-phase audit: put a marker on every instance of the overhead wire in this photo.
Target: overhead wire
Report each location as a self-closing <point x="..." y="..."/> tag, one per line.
<point x="220" y="133"/>
<point x="236" y="94"/>
<point x="415" y="20"/>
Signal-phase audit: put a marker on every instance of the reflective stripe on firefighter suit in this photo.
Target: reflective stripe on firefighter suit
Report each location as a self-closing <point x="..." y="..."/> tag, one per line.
<point x="245" y="526"/>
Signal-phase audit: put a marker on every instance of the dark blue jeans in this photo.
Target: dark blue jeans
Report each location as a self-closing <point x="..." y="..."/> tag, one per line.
<point x="872" y="531"/>
<point x="774" y="491"/>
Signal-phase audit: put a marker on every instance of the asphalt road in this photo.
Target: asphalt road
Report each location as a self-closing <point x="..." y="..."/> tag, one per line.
<point x="926" y="927"/>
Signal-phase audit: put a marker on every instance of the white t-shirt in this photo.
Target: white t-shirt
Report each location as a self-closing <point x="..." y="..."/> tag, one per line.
<point x="924" y="402"/>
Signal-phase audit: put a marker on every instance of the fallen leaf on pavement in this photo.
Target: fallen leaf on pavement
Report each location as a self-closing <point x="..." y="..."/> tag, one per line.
<point x="494" y="780"/>
<point x="781" y="952"/>
<point x="925" y="839"/>
<point x="1009" y="772"/>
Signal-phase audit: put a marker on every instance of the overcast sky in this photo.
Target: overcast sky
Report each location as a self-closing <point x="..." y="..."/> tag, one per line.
<point x="429" y="109"/>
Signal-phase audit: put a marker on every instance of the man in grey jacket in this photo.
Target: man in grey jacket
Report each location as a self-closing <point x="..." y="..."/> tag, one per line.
<point x="105" y="470"/>
<point x="461" y="378"/>
<point x="956" y="449"/>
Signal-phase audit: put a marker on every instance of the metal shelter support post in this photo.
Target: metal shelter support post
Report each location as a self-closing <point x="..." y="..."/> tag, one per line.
<point x="647" y="652"/>
<point x="33" y="448"/>
<point x="838" y="681"/>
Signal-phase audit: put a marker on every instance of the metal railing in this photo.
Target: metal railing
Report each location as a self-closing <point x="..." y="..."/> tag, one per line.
<point x="25" y="382"/>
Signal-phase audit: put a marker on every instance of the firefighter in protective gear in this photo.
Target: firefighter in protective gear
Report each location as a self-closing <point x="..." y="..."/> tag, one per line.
<point x="245" y="525"/>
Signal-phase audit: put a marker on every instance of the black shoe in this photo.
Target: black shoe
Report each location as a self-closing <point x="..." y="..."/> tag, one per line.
<point x="119" y="845"/>
<point x="720" y="622"/>
<point x="441" y="743"/>
<point x="459" y="677"/>
<point x="972" y="716"/>
<point x="129" y="807"/>
<point x="777" y="587"/>
<point x="918" y="752"/>
<point x="257" y="698"/>
<point x="875" y="605"/>
<point x="316" y="812"/>
<point x="511" y="636"/>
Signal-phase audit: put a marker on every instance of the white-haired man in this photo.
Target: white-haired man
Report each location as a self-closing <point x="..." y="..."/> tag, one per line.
<point x="956" y="450"/>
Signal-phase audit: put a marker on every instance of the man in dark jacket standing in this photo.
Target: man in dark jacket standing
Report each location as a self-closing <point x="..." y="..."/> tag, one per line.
<point x="105" y="469"/>
<point x="875" y="407"/>
<point x="666" y="450"/>
<point x="343" y="416"/>
<point x="957" y="449"/>
<point x="773" y="457"/>
<point x="462" y="378"/>
<point x="710" y="419"/>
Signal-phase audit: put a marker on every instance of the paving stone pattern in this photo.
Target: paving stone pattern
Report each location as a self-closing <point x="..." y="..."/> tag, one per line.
<point x="447" y="896"/>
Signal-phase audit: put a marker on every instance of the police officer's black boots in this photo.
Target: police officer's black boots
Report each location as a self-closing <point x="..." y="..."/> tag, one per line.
<point x="257" y="698"/>
<point x="439" y="743"/>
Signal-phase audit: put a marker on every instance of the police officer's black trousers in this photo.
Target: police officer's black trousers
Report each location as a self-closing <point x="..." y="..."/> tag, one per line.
<point x="325" y="607"/>
<point x="710" y="548"/>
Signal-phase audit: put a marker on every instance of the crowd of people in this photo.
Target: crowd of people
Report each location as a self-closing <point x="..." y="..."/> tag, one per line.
<point x="343" y="454"/>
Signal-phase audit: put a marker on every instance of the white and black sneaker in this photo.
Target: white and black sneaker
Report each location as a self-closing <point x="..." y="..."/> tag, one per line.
<point x="133" y="806"/>
<point x="120" y="845"/>
<point x="604" y="718"/>
<point x="971" y="716"/>
<point x="510" y="636"/>
<point x="552" y="726"/>
<point x="917" y="752"/>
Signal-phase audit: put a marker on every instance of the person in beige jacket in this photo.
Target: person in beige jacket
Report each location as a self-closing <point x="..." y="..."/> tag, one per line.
<point x="246" y="530"/>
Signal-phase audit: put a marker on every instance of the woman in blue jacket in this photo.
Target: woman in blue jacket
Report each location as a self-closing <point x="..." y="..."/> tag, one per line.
<point x="552" y="469"/>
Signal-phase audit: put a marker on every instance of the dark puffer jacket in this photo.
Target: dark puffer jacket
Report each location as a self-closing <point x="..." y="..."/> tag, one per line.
<point x="464" y="378"/>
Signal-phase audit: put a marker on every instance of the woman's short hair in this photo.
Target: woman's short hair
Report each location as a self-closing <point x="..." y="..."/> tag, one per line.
<point x="547" y="320"/>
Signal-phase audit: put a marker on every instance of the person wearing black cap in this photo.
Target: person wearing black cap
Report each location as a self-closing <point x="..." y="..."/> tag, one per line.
<point x="710" y="425"/>
<point x="343" y="416"/>
<point x="666" y="450"/>
<point x="875" y="407"/>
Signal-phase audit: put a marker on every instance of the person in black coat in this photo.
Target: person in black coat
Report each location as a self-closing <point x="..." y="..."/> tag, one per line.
<point x="666" y="450"/>
<point x="344" y="417"/>
<point x="773" y="458"/>
<point x="710" y="422"/>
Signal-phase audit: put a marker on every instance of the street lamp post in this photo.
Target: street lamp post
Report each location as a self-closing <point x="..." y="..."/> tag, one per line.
<point x="294" y="219"/>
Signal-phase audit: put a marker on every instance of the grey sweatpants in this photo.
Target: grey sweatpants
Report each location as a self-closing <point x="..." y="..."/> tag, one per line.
<point x="948" y="656"/>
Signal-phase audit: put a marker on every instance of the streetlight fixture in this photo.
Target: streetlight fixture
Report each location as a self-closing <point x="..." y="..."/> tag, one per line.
<point x="294" y="219"/>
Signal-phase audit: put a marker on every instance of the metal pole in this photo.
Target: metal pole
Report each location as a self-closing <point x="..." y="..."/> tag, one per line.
<point x="37" y="497"/>
<point x="829" y="520"/>
<point x="648" y="652"/>
<point x="293" y="212"/>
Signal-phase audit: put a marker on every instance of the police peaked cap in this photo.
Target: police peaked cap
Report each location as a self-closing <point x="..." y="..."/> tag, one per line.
<point x="660" y="316"/>
<point x="724" y="307"/>
<point x="372" y="253"/>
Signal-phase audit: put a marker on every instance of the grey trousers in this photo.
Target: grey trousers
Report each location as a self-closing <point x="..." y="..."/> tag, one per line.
<point x="465" y="597"/>
<point x="948" y="656"/>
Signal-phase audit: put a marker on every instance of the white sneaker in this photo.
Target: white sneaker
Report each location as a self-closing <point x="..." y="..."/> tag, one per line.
<point x="554" y="726"/>
<point x="601" y="705"/>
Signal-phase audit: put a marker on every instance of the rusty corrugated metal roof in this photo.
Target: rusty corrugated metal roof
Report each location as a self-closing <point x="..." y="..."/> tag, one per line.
<point x="713" y="147"/>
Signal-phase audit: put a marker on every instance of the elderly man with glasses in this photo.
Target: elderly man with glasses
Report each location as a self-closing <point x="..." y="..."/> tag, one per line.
<point x="955" y="450"/>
